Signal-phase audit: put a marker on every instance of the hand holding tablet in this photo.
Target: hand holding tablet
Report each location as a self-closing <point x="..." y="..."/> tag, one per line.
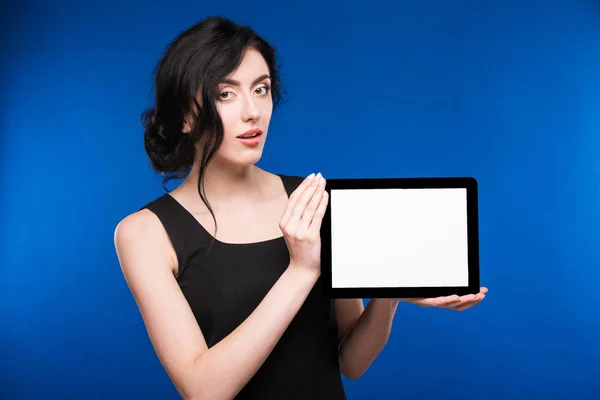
<point x="454" y="302"/>
<point x="402" y="238"/>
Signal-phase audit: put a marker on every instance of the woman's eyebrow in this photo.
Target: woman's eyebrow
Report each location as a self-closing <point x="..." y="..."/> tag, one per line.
<point x="233" y="82"/>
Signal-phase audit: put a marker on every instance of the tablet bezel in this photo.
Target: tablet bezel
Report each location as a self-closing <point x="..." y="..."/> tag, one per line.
<point x="468" y="183"/>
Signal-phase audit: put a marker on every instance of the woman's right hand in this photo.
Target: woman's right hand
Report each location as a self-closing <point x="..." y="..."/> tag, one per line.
<point x="301" y="223"/>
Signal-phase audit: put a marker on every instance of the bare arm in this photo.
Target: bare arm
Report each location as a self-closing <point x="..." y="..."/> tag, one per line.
<point x="147" y="261"/>
<point x="365" y="332"/>
<point x="347" y="312"/>
<point x="196" y="371"/>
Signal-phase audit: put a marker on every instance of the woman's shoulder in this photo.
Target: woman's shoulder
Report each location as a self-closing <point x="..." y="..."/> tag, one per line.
<point x="141" y="226"/>
<point x="140" y="221"/>
<point x="141" y="233"/>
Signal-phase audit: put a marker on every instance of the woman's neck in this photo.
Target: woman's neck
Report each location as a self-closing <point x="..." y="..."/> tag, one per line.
<point x="226" y="184"/>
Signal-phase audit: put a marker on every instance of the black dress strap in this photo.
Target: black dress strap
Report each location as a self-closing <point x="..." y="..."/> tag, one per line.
<point x="291" y="182"/>
<point x="187" y="236"/>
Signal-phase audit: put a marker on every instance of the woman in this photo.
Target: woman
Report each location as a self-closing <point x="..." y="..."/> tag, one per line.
<point x="225" y="268"/>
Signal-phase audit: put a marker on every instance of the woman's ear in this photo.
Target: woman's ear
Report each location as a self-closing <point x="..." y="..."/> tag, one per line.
<point x="188" y="120"/>
<point x="187" y="127"/>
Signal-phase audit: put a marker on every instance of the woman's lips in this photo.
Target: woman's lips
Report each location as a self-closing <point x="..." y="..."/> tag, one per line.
<point x="251" y="137"/>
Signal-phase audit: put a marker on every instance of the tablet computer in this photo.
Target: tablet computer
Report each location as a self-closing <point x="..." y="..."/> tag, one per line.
<point x="400" y="238"/>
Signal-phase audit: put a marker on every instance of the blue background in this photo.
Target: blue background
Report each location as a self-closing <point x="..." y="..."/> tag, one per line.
<point x="505" y="91"/>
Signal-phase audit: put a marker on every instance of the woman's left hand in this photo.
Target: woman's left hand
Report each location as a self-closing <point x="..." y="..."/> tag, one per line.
<point x="457" y="303"/>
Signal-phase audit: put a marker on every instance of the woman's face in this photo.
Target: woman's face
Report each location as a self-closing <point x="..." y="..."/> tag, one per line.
<point x="245" y="106"/>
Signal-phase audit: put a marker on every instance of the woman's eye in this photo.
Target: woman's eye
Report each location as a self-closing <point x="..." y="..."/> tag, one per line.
<point x="262" y="90"/>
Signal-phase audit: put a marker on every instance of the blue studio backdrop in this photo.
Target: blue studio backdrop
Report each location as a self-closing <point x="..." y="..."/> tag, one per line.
<point x="505" y="91"/>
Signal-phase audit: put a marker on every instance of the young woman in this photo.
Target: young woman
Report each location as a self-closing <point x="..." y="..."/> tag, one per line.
<point x="225" y="268"/>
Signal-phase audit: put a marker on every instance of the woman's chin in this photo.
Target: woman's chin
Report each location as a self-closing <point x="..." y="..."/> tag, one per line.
<point x="242" y="159"/>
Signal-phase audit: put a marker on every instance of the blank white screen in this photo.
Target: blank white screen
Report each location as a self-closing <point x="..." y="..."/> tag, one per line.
<point x="399" y="237"/>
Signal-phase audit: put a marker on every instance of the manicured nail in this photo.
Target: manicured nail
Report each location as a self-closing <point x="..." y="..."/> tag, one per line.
<point x="318" y="176"/>
<point x="311" y="176"/>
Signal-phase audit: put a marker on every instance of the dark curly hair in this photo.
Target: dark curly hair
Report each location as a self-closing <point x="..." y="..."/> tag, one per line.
<point x="194" y="63"/>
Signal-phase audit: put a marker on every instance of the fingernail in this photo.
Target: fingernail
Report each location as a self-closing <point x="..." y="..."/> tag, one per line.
<point x="318" y="175"/>
<point x="311" y="176"/>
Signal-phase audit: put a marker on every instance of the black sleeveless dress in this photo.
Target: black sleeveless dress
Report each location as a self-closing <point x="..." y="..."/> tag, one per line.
<point x="224" y="284"/>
